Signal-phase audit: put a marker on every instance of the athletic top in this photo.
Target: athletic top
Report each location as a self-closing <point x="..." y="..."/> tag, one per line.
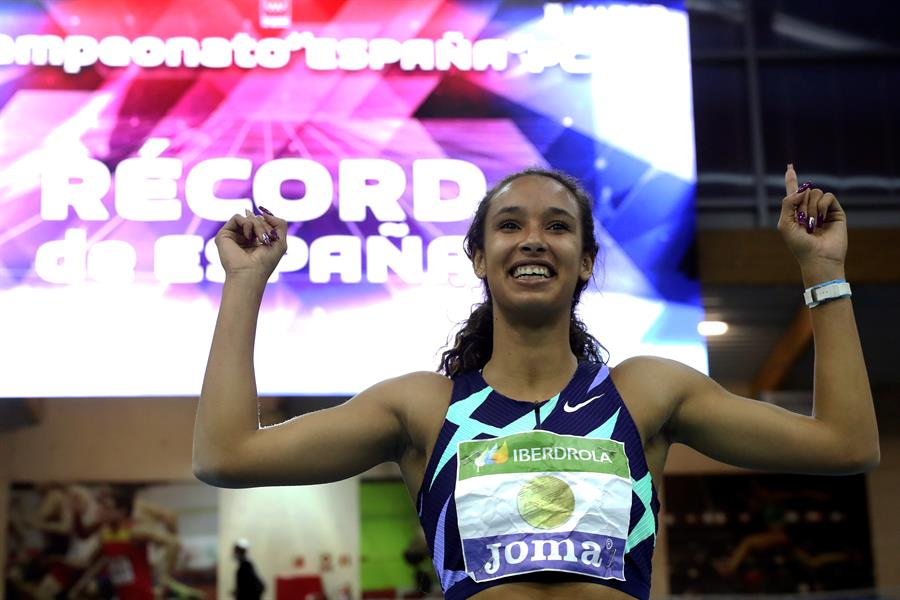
<point x="129" y="566"/>
<point x="559" y="492"/>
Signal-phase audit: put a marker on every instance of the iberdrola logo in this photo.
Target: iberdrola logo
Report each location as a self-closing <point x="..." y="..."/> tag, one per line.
<point x="495" y="455"/>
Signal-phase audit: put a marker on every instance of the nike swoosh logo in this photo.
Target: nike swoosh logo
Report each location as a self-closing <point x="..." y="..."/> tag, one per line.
<point x="571" y="409"/>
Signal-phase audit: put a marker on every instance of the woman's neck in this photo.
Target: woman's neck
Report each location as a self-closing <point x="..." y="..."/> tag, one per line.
<point x="530" y="363"/>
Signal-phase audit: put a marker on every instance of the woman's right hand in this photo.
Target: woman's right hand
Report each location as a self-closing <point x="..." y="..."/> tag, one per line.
<point x="252" y="244"/>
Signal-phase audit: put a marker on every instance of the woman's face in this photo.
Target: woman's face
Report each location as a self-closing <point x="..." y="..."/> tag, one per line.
<point x="533" y="255"/>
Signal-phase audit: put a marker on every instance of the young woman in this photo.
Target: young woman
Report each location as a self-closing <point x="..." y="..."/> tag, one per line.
<point x="531" y="464"/>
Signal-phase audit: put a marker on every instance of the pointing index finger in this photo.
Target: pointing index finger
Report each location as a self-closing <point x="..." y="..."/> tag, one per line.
<point x="790" y="179"/>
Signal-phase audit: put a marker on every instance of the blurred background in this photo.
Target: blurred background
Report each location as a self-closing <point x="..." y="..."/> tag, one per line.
<point x="119" y="163"/>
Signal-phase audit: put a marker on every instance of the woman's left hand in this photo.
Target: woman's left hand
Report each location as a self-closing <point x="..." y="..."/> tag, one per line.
<point x="814" y="226"/>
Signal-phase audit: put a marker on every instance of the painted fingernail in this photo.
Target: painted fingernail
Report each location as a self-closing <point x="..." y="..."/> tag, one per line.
<point x="266" y="239"/>
<point x="820" y="222"/>
<point x="811" y="225"/>
<point x="265" y="210"/>
<point x="806" y="185"/>
<point x="801" y="218"/>
<point x="273" y="234"/>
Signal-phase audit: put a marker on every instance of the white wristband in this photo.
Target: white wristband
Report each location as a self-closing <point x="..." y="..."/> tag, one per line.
<point x="824" y="292"/>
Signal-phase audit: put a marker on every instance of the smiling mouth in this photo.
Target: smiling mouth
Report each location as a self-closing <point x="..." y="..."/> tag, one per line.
<point x="531" y="272"/>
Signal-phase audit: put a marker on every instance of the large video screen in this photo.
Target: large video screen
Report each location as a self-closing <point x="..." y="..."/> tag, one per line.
<point x="131" y="130"/>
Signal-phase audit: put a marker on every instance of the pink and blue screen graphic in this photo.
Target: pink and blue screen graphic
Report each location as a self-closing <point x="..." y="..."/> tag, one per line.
<point x="132" y="130"/>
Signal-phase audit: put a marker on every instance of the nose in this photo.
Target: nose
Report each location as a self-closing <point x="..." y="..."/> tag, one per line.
<point x="533" y="242"/>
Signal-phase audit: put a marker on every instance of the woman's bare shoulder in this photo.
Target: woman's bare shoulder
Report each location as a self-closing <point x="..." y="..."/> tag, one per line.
<point x="648" y="370"/>
<point x="415" y="392"/>
<point x="422" y="399"/>
<point x="651" y="387"/>
<point x="654" y="377"/>
<point x="419" y="382"/>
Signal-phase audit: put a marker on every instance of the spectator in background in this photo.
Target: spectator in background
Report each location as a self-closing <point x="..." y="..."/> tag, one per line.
<point x="248" y="585"/>
<point x="418" y="557"/>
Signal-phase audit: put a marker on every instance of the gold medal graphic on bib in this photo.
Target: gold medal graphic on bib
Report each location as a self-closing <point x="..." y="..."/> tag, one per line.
<point x="546" y="502"/>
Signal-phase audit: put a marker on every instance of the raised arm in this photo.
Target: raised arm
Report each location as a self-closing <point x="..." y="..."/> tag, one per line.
<point x="230" y="447"/>
<point x="842" y="435"/>
<point x="54" y="514"/>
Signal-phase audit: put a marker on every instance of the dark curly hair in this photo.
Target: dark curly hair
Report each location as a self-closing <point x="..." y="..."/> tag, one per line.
<point x="474" y="342"/>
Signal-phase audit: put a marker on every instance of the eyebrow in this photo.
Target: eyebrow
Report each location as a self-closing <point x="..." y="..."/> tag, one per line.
<point x="552" y="210"/>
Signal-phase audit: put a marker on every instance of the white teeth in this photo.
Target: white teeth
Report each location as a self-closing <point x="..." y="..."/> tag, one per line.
<point x="531" y="270"/>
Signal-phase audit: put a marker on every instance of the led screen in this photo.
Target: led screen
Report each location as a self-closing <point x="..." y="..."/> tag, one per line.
<point x="132" y="130"/>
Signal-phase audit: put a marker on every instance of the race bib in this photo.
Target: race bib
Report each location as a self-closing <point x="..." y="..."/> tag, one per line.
<point x="120" y="571"/>
<point x="540" y="501"/>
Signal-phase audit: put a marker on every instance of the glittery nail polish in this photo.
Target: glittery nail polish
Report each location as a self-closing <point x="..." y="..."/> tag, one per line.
<point x="273" y="234"/>
<point x="811" y="225"/>
<point x="801" y="218"/>
<point x="806" y="185"/>
<point x="820" y="222"/>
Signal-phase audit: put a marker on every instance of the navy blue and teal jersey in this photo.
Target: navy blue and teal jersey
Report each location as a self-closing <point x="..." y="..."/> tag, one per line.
<point x="589" y="407"/>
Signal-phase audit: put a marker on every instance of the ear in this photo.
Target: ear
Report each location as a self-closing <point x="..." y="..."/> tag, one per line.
<point x="478" y="264"/>
<point x="587" y="267"/>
